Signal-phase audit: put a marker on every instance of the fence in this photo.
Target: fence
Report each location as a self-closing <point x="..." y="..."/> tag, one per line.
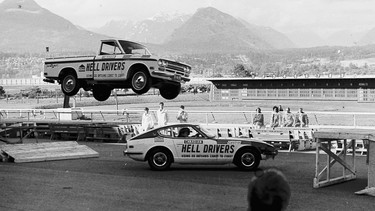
<point x="23" y="82"/>
<point x="363" y="120"/>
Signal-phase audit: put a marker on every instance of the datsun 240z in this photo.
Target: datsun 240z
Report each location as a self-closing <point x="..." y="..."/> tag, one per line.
<point x="193" y="144"/>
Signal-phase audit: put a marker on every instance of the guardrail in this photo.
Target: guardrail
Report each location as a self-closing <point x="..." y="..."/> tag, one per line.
<point x="365" y="120"/>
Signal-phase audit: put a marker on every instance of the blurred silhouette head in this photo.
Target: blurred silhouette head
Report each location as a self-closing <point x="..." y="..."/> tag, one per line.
<point x="268" y="191"/>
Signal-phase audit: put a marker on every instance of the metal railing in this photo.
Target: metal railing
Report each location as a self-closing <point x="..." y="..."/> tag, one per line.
<point x="316" y="118"/>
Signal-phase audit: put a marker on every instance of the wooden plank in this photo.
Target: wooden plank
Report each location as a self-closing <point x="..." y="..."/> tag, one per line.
<point x="47" y="151"/>
<point x="371" y="165"/>
<point x="54" y="150"/>
<point x="344" y="135"/>
<point x="319" y="184"/>
<point x="64" y="156"/>
<point x="32" y="146"/>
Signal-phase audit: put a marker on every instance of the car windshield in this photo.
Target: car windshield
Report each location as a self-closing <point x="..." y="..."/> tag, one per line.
<point x="134" y="48"/>
<point x="205" y="131"/>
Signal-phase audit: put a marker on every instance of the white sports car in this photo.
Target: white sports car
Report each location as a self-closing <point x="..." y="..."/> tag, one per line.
<point x="193" y="144"/>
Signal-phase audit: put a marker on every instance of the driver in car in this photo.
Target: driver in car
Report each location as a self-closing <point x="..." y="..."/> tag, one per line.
<point x="184" y="132"/>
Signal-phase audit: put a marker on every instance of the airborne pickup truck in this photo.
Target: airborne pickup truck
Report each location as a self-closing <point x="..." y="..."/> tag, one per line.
<point x="119" y="64"/>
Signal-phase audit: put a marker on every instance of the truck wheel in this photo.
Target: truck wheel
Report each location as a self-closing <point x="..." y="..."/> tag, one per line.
<point x="170" y="91"/>
<point x="247" y="159"/>
<point x="141" y="82"/>
<point x="159" y="159"/>
<point x="101" y="93"/>
<point x="69" y="84"/>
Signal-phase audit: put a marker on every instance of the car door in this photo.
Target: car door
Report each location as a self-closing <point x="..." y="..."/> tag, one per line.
<point x="194" y="147"/>
<point x="109" y="65"/>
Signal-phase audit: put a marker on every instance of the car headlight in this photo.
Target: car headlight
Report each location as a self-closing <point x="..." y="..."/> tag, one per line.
<point x="160" y="63"/>
<point x="165" y="63"/>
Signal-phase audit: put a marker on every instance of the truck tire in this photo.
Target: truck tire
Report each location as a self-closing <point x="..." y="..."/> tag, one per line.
<point x="159" y="159"/>
<point x="140" y="82"/>
<point x="70" y="85"/>
<point x="101" y="92"/>
<point x="170" y="91"/>
<point x="247" y="159"/>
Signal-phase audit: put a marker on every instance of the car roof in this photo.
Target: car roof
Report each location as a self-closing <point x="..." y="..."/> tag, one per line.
<point x="164" y="127"/>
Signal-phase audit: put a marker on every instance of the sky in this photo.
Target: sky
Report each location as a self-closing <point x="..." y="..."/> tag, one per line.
<point x="323" y="17"/>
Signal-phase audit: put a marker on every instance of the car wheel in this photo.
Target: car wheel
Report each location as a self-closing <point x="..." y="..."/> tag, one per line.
<point x="248" y="159"/>
<point x="159" y="159"/>
<point x="69" y="84"/>
<point x="140" y="82"/>
<point x="101" y="92"/>
<point x="170" y="91"/>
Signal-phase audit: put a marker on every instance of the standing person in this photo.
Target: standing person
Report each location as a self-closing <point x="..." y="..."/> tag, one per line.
<point x="162" y="115"/>
<point x="258" y="120"/>
<point x="288" y="118"/>
<point x="275" y="117"/>
<point x="147" y="121"/>
<point x="281" y="118"/>
<point x="303" y="119"/>
<point x="182" y="115"/>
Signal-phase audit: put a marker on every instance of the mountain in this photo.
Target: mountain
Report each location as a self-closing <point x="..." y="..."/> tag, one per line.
<point x="276" y="39"/>
<point x="344" y="38"/>
<point x="27" y="27"/>
<point x="210" y="30"/>
<point x="153" y="30"/>
<point x="368" y="38"/>
<point x="306" y="39"/>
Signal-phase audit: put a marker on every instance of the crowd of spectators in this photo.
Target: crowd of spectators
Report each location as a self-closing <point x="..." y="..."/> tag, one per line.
<point x="281" y="118"/>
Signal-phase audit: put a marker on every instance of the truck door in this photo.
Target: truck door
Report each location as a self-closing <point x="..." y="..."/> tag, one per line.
<point x="109" y="65"/>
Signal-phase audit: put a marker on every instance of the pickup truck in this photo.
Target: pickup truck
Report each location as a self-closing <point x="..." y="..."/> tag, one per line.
<point x="119" y="64"/>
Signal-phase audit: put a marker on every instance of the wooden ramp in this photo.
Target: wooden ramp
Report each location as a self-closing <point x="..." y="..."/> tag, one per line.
<point x="22" y="153"/>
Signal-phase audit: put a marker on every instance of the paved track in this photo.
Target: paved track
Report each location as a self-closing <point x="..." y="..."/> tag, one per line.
<point x="113" y="182"/>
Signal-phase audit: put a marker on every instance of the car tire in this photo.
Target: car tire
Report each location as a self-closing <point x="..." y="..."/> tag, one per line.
<point x="101" y="92"/>
<point x="140" y="82"/>
<point x="69" y="84"/>
<point x="247" y="159"/>
<point x="159" y="159"/>
<point x="170" y="91"/>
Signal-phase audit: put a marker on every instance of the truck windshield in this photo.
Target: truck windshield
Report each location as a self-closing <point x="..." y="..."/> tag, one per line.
<point x="134" y="48"/>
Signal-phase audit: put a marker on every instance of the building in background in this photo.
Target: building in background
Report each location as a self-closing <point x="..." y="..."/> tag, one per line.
<point x="345" y="88"/>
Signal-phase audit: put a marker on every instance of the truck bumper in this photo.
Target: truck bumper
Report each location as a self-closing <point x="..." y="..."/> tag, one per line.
<point x="49" y="80"/>
<point x="170" y="76"/>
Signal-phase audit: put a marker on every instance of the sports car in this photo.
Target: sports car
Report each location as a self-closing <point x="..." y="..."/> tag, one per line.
<point x="186" y="143"/>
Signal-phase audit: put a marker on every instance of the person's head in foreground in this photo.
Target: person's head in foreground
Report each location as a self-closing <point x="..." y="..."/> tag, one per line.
<point x="268" y="191"/>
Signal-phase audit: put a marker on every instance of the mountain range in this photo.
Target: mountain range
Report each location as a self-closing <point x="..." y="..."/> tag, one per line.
<point x="27" y="27"/>
<point x="206" y="30"/>
<point x="153" y="30"/>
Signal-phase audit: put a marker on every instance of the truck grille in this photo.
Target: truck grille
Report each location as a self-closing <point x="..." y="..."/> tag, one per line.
<point x="175" y="68"/>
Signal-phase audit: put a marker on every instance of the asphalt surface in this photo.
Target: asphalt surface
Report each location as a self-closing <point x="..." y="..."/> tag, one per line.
<point x="114" y="182"/>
